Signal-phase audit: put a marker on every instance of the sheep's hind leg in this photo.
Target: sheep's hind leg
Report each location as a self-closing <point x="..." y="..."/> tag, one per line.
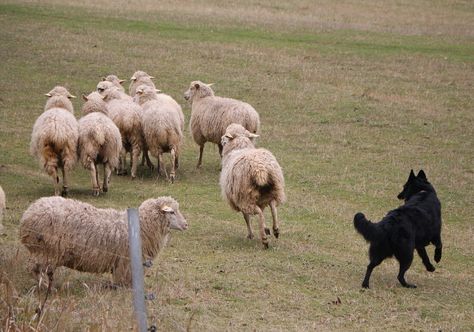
<point x="135" y="156"/>
<point x="95" y="183"/>
<point x="276" y="224"/>
<point x="249" y="229"/>
<point x="161" y="168"/>
<point x="121" y="170"/>
<point x="107" y="173"/>
<point x="173" y="165"/>
<point x="264" y="231"/>
<point x="201" y="151"/>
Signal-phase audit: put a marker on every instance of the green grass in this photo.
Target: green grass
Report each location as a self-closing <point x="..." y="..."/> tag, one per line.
<point x="348" y="108"/>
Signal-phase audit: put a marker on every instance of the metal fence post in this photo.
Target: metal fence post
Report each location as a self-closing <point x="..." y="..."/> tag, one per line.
<point x="136" y="263"/>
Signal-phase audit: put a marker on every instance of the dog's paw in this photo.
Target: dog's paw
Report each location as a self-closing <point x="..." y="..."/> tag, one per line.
<point x="437" y="256"/>
<point x="430" y="268"/>
<point x="365" y="285"/>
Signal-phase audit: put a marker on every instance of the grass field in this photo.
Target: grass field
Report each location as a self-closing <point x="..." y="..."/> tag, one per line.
<point x="351" y="97"/>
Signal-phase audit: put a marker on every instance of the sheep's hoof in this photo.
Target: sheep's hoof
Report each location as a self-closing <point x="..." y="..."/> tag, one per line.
<point x="172" y="177"/>
<point x="250" y="236"/>
<point x="276" y="232"/>
<point x="95" y="192"/>
<point x="105" y="189"/>
<point x="267" y="231"/>
<point x="121" y="172"/>
<point x="134" y="177"/>
<point x="64" y="192"/>
<point x="265" y="244"/>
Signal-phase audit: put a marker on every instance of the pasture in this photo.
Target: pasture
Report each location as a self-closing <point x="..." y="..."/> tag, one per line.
<point x="351" y="96"/>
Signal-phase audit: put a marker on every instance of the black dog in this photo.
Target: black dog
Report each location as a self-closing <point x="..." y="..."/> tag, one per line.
<point x="412" y="226"/>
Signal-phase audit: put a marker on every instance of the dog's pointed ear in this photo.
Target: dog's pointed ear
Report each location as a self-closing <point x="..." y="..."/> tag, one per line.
<point x="412" y="175"/>
<point x="421" y="175"/>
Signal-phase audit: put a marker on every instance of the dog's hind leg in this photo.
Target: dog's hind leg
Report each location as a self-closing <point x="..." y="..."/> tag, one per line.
<point x="374" y="261"/>
<point x="439" y="248"/>
<point x="405" y="259"/>
<point x="424" y="257"/>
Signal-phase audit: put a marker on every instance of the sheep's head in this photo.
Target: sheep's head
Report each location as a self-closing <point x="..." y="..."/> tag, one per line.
<point x="114" y="79"/>
<point x="239" y="136"/>
<point x="59" y="91"/>
<point x="145" y="93"/>
<point x="169" y="209"/>
<point x="94" y="102"/>
<point x="139" y="74"/>
<point x="104" y="86"/>
<point x="198" y="89"/>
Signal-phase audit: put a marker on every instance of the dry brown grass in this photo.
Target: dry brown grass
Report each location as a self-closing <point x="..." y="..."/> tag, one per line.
<point x="351" y="95"/>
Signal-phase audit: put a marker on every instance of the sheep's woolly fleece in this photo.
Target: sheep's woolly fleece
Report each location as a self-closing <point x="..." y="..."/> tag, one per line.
<point x="65" y="232"/>
<point x="99" y="141"/>
<point x="161" y="123"/>
<point x="54" y="137"/>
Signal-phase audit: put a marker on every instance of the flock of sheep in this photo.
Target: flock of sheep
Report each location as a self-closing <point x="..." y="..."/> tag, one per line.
<point x="66" y="232"/>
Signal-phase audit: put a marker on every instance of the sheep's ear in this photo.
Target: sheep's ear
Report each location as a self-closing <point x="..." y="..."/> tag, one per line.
<point x="48" y="94"/>
<point x="84" y="97"/>
<point x="228" y="135"/>
<point x="139" y="91"/>
<point x="157" y="90"/>
<point x="133" y="78"/>
<point x="152" y="77"/>
<point x="103" y="78"/>
<point x="121" y="81"/>
<point x="196" y="85"/>
<point x="210" y="84"/>
<point x="252" y="135"/>
<point x="71" y="96"/>
<point x="166" y="208"/>
<point x="103" y="97"/>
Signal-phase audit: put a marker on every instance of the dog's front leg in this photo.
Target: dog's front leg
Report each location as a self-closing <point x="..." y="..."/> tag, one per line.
<point x="426" y="260"/>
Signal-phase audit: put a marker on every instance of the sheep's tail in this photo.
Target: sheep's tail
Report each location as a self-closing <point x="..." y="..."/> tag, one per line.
<point x="366" y="228"/>
<point x="261" y="176"/>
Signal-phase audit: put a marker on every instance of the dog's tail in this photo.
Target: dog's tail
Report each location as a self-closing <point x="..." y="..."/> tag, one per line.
<point x="365" y="227"/>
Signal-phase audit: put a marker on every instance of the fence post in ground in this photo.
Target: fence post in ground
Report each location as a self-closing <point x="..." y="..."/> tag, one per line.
<point x="136" y="265"/>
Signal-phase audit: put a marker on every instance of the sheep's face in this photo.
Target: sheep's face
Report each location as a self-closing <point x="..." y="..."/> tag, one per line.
<point x="103" y="86"/>
<point x="198" y="88"/>
<point x="59" y="91"/>
<point x="173" y="217"/>
<point x="139" y="74"/>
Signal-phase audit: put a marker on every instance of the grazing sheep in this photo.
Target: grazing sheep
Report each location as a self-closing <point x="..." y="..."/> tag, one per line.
<point x="115" y="80"/>
<point x="139" y="78"/>
<point x="66" y="232"/>
<point x="2" y="208"/>
<point x="54" y="137"/>
<point x="162" y="125"/>
<point x="251" y="179"/>
<point x="99" y="141"/>
<point x="126" y="116"/>
<point x="210" y="115"/>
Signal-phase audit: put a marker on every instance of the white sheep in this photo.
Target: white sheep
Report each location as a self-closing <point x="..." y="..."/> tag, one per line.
<point x="126" y="115"/>
<point x="65" y="232"/>
<point x="162" y="125"/>
<point x="99" y="141"/>
<point x="115" y="80"/>
<point x="251" y="179"/>
<point x="2" y="208"/>
<point x="210" y="115"/>
<point x="54" y="137"/>
<point x="139" y="78"/>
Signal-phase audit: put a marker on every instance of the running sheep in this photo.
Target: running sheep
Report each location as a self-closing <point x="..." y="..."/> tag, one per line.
<point x="54" y="137"/>
<point x="99" y="141"/>
<point x="210" y="116"/>
<point x="139" y="78"/>
<point x="126" y="116"/>
<point x="162" y="124"/>
<point x="251" y="179"/>
<point x="65" y="232"/>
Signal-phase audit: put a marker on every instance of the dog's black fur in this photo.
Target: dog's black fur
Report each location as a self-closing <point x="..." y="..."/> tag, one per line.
<point x="412" y="226"/>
